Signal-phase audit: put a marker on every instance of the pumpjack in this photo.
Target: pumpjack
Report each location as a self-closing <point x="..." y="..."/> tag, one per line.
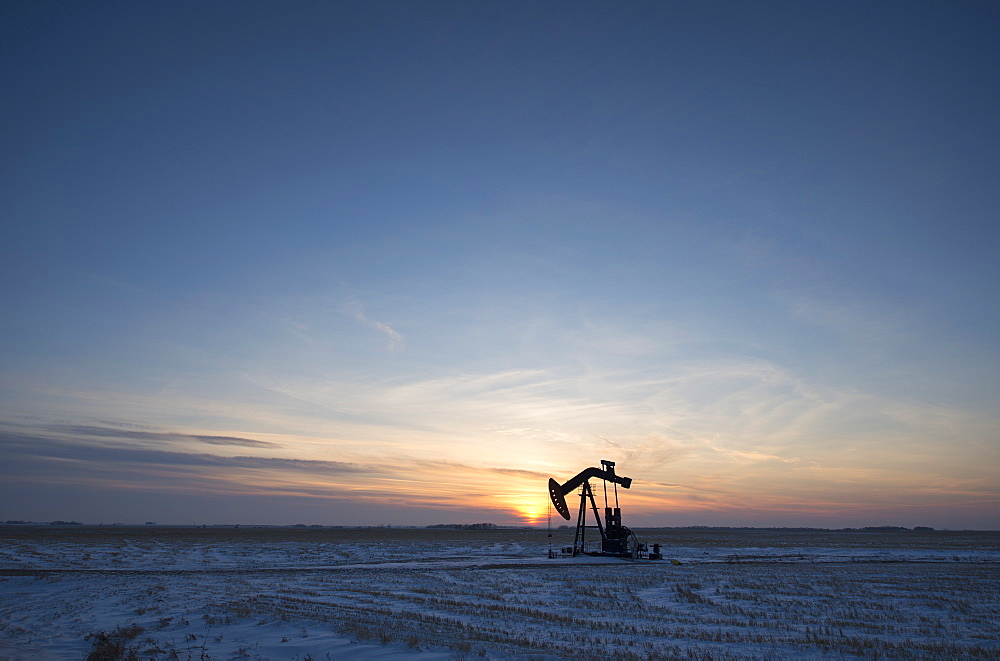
<point x="616" y="539"/>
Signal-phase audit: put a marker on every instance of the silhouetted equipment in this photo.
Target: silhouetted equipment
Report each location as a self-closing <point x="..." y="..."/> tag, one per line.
<point x="616" y="539"/>
<point x="558" y="491"/>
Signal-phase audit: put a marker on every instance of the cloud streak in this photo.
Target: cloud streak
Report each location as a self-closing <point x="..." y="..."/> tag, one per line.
<point x="357" y="311"/>
<point x="25" y="446"/>
<point x="108" y="432"/>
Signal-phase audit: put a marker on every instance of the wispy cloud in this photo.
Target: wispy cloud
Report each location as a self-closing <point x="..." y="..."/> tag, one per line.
<point x="849" y="320"/>
<point x="34" y="445"/>
<point x="85" y="431"/>
<point x="357" y="311"/>
<point x="120" y="285"/>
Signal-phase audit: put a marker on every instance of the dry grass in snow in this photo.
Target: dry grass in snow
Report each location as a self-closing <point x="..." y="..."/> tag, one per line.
<point x="292" y="594"/>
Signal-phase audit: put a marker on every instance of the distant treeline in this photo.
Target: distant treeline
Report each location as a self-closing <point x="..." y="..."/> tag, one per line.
<point x="493" y="526"/>
<point x="793" y="529"/>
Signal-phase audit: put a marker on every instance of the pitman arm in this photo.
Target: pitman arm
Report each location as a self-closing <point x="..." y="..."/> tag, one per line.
<point x="557" y="492"/>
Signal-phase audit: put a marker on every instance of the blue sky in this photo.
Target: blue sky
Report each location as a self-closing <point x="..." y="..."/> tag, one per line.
<point x="401" y="261"/>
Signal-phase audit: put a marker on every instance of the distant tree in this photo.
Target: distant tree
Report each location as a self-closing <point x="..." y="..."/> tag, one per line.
<point x="884" y="528"/>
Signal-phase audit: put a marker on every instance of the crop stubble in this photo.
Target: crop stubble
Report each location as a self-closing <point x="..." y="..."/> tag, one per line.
<point x="226" y="592"/>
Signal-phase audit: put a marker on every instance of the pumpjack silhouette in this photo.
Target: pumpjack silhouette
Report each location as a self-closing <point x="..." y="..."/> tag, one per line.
<point x="616" y="538"/>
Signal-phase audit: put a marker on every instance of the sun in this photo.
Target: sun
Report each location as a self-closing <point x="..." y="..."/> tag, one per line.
<point x="530" y="509"/>
<point x="527" y="503"/>
<point x="531" y="515"/>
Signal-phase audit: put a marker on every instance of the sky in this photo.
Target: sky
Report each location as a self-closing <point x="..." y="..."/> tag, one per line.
<point x="364" y="263"/>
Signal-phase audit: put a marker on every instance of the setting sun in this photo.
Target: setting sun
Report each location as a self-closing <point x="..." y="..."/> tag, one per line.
<point x="530" y="509"/>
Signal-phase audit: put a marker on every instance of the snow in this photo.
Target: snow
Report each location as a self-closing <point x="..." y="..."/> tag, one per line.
<point x="279" y="593"/>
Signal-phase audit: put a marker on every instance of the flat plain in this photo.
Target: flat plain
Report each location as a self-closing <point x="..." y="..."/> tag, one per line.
<point x="331" y="593"/>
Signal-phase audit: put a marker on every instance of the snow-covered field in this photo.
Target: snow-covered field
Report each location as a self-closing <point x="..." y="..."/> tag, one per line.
<point x="293" y="593"/>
